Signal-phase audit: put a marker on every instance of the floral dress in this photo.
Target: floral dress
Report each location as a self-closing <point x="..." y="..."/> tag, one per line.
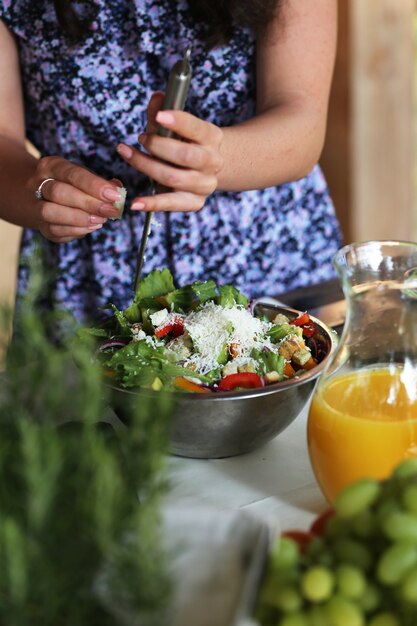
<point x="82" y="100"/>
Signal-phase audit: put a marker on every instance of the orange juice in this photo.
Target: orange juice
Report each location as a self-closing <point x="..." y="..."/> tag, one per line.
<point x="362" y="424"/>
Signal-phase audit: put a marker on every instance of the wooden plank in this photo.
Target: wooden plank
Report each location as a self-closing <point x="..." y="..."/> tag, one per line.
<point x="382" y="73"/>
<point x="9" y="243"/>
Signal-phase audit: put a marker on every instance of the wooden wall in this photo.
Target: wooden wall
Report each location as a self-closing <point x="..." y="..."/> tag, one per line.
<point x="368" y="157"/>
<point x="9" y="238"/>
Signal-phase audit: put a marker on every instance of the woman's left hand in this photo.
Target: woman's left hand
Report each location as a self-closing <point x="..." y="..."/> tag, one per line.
<point x="187" y="164"/>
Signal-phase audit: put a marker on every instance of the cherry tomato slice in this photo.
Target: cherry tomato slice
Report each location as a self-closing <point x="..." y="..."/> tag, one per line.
<point x="302" y="319"/>
<point x="247" y="380"/>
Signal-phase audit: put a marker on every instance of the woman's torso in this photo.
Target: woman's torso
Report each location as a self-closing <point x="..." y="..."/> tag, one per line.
<point x="81" y="101"/>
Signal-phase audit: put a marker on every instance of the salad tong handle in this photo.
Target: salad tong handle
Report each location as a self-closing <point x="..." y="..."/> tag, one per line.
<point x="175" y="97"/>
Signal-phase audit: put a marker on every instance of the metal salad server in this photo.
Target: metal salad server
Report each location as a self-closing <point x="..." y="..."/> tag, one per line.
<point x="175" y="97"/>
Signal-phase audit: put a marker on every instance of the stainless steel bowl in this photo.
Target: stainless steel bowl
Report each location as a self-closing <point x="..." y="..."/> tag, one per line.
<point x="223" y="424"/>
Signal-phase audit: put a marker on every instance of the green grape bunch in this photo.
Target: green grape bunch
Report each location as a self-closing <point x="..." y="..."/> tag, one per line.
<point x="356" y="566"/>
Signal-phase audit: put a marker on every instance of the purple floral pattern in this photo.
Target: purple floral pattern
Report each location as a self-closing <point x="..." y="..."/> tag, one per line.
<point x="81" y="101"/>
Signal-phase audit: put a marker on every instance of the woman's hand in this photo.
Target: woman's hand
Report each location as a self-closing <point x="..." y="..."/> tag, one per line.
<point x="74" y="203"/>
<point x="188" y="164"/>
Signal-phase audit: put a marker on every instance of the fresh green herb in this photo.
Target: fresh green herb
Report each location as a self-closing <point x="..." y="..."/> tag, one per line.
<point x="79" y="497"/>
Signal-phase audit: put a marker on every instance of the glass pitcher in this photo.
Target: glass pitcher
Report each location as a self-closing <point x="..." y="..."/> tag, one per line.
<point x="363" y="415"/>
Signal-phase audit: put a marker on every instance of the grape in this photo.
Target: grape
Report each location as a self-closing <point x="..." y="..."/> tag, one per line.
<point x="385" y="619"/>
<point x="350" y="581"/>
<point x="265" y="615"/>
<point x="352" y="552"/>
<point x="408" y="588"/>
<point x="268" y="591"/>
<point x="357" y="497"/>
<point x="337" y="527"/>
<point x="406" y="468"/>
<point x="363" y="524"/>
<point x="294" y="619"/>
<point x="342" y="612"/>
<point x="395" y="562"/>
<point x="284" y="555"/>
<point x="409" y="498"/>
<point x="316" y="548"/>
<point x="386" y="507"/>
<point x="401" y="526"/>
<point x="371" y="598"/>
<point x="317" y="616"/>
<point x="362" y="568"/>
<point x="317" y="583"/>
<point x="288" y="598"/>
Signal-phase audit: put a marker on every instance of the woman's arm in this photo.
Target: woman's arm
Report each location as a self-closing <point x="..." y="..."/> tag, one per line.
<point x="281" y="143"/>
<point x="75" y="203"/>
<point x="16" y="164"/>
<point x="295" y="62"/>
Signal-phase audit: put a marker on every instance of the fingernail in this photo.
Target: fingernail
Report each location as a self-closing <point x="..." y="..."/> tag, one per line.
<point x="163" y="117"/>
<point x="95" y="227"/>
<point x="111" y="194"/>
<point x="95" y="219"/>
<point x="125" y="151"/>
<point x="136" y="206"/>
<point x="107" y="210"/>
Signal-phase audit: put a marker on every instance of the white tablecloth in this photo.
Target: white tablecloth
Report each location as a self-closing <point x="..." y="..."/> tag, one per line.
<point x="275" y="482"/>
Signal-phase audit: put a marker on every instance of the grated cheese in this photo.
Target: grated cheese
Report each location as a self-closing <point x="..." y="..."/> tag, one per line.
<point x="213" y="326"/>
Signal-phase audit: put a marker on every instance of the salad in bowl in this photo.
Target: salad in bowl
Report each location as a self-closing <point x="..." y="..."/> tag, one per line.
<point x="202" y="338"/>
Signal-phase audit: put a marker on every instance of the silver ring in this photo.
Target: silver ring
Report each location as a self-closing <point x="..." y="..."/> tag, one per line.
<point x="38" y="192"/>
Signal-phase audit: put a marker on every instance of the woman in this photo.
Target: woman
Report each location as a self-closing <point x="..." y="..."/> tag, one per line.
<point x="249" y="205"/>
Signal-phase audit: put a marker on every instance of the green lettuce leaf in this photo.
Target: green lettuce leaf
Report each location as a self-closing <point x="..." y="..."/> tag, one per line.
<point x="157" y="283"/>
<point x="229" y="296"/>
<point x="178" y="299"/>
<point x="205" y="291"/>
<point x="138" y="364"/>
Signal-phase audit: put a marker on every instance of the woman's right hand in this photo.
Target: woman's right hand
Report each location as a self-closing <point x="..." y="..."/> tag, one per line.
<point x="73" y="204"/>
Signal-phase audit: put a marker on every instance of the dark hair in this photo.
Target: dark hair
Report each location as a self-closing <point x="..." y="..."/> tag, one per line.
<point x="218" y="16"/>
<point x="69" y="21"/>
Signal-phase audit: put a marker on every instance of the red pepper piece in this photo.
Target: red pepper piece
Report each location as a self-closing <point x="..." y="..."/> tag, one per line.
<point x="319" y="525"/>
<point x="247" y="380"/>
<point x="302" y="319"/>
<point x="176" y="326"/>
<point x="308" y="329"/>
<point x="301" y="537"/>
<point x="163" y="330"/>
